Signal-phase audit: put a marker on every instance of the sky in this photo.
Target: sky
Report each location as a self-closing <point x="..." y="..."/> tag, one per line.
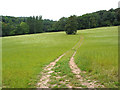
<point x="54" y="9"/>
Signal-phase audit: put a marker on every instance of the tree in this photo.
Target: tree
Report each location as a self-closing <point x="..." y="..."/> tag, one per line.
<point x="31" y="24"/>
<point x="39" y="24"/>
<point x="118" y="14"/>
<point x="18" y="30"/>
<point x="48" y="25"/>
<point x="92" y="21"/>
<point x="71" y="26"/>
<point x="7" y="29"/>
<point x="24" y="27"/>
<point x="60" y="25"/>
<point x="35" y="24"/>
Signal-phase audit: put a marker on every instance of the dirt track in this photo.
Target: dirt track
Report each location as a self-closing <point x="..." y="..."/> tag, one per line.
<point x="43" y="83"/>
<point x="46" y="73"/>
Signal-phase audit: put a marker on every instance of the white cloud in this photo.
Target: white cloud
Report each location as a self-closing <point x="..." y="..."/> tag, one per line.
<point x="54" y="9"/>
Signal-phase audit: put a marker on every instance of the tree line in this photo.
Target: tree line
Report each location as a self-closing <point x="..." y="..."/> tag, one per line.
<point x="35" y="24"/>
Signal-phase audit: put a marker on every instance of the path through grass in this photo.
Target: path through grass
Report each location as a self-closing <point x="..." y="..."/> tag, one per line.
<point x="66" y="74"/>
<point x="25" y="55"/>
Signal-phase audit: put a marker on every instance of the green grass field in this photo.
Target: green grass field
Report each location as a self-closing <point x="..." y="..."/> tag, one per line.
<point x="25" y="55"/>
<point x="98" y="55"/>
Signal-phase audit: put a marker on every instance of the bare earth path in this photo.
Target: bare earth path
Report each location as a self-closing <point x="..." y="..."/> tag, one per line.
<point x="77" y="71"/>
<point x="46" y="74"/>
<point x="43" y="83"/>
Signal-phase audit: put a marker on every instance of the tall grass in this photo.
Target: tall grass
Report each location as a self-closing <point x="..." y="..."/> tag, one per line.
<point x="25" y="55"/>
<point x="98" y="55"/>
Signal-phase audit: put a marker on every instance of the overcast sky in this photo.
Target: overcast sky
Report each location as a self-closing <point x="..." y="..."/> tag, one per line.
<point x="54" y="9"/>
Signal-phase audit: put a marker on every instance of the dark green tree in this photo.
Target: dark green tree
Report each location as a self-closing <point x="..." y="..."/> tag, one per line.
<point x="7" y="29"/>
<point x="11" y="25"/>
<point x="71" y="26"/>
<point x="30" y="22"/>
<point x="60" y="25"/>
<point x="39" y="24"/>
<point x="18" y="30"/>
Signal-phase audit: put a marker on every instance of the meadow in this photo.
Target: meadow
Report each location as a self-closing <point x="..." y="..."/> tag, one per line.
<point x="24" y="56"/>
<point x="98" y="55"/>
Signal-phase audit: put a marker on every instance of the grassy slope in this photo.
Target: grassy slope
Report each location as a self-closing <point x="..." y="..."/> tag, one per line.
<point x="62" y="69"/>
<point x="98" y="54"/>
<point x="25" y="55"/>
